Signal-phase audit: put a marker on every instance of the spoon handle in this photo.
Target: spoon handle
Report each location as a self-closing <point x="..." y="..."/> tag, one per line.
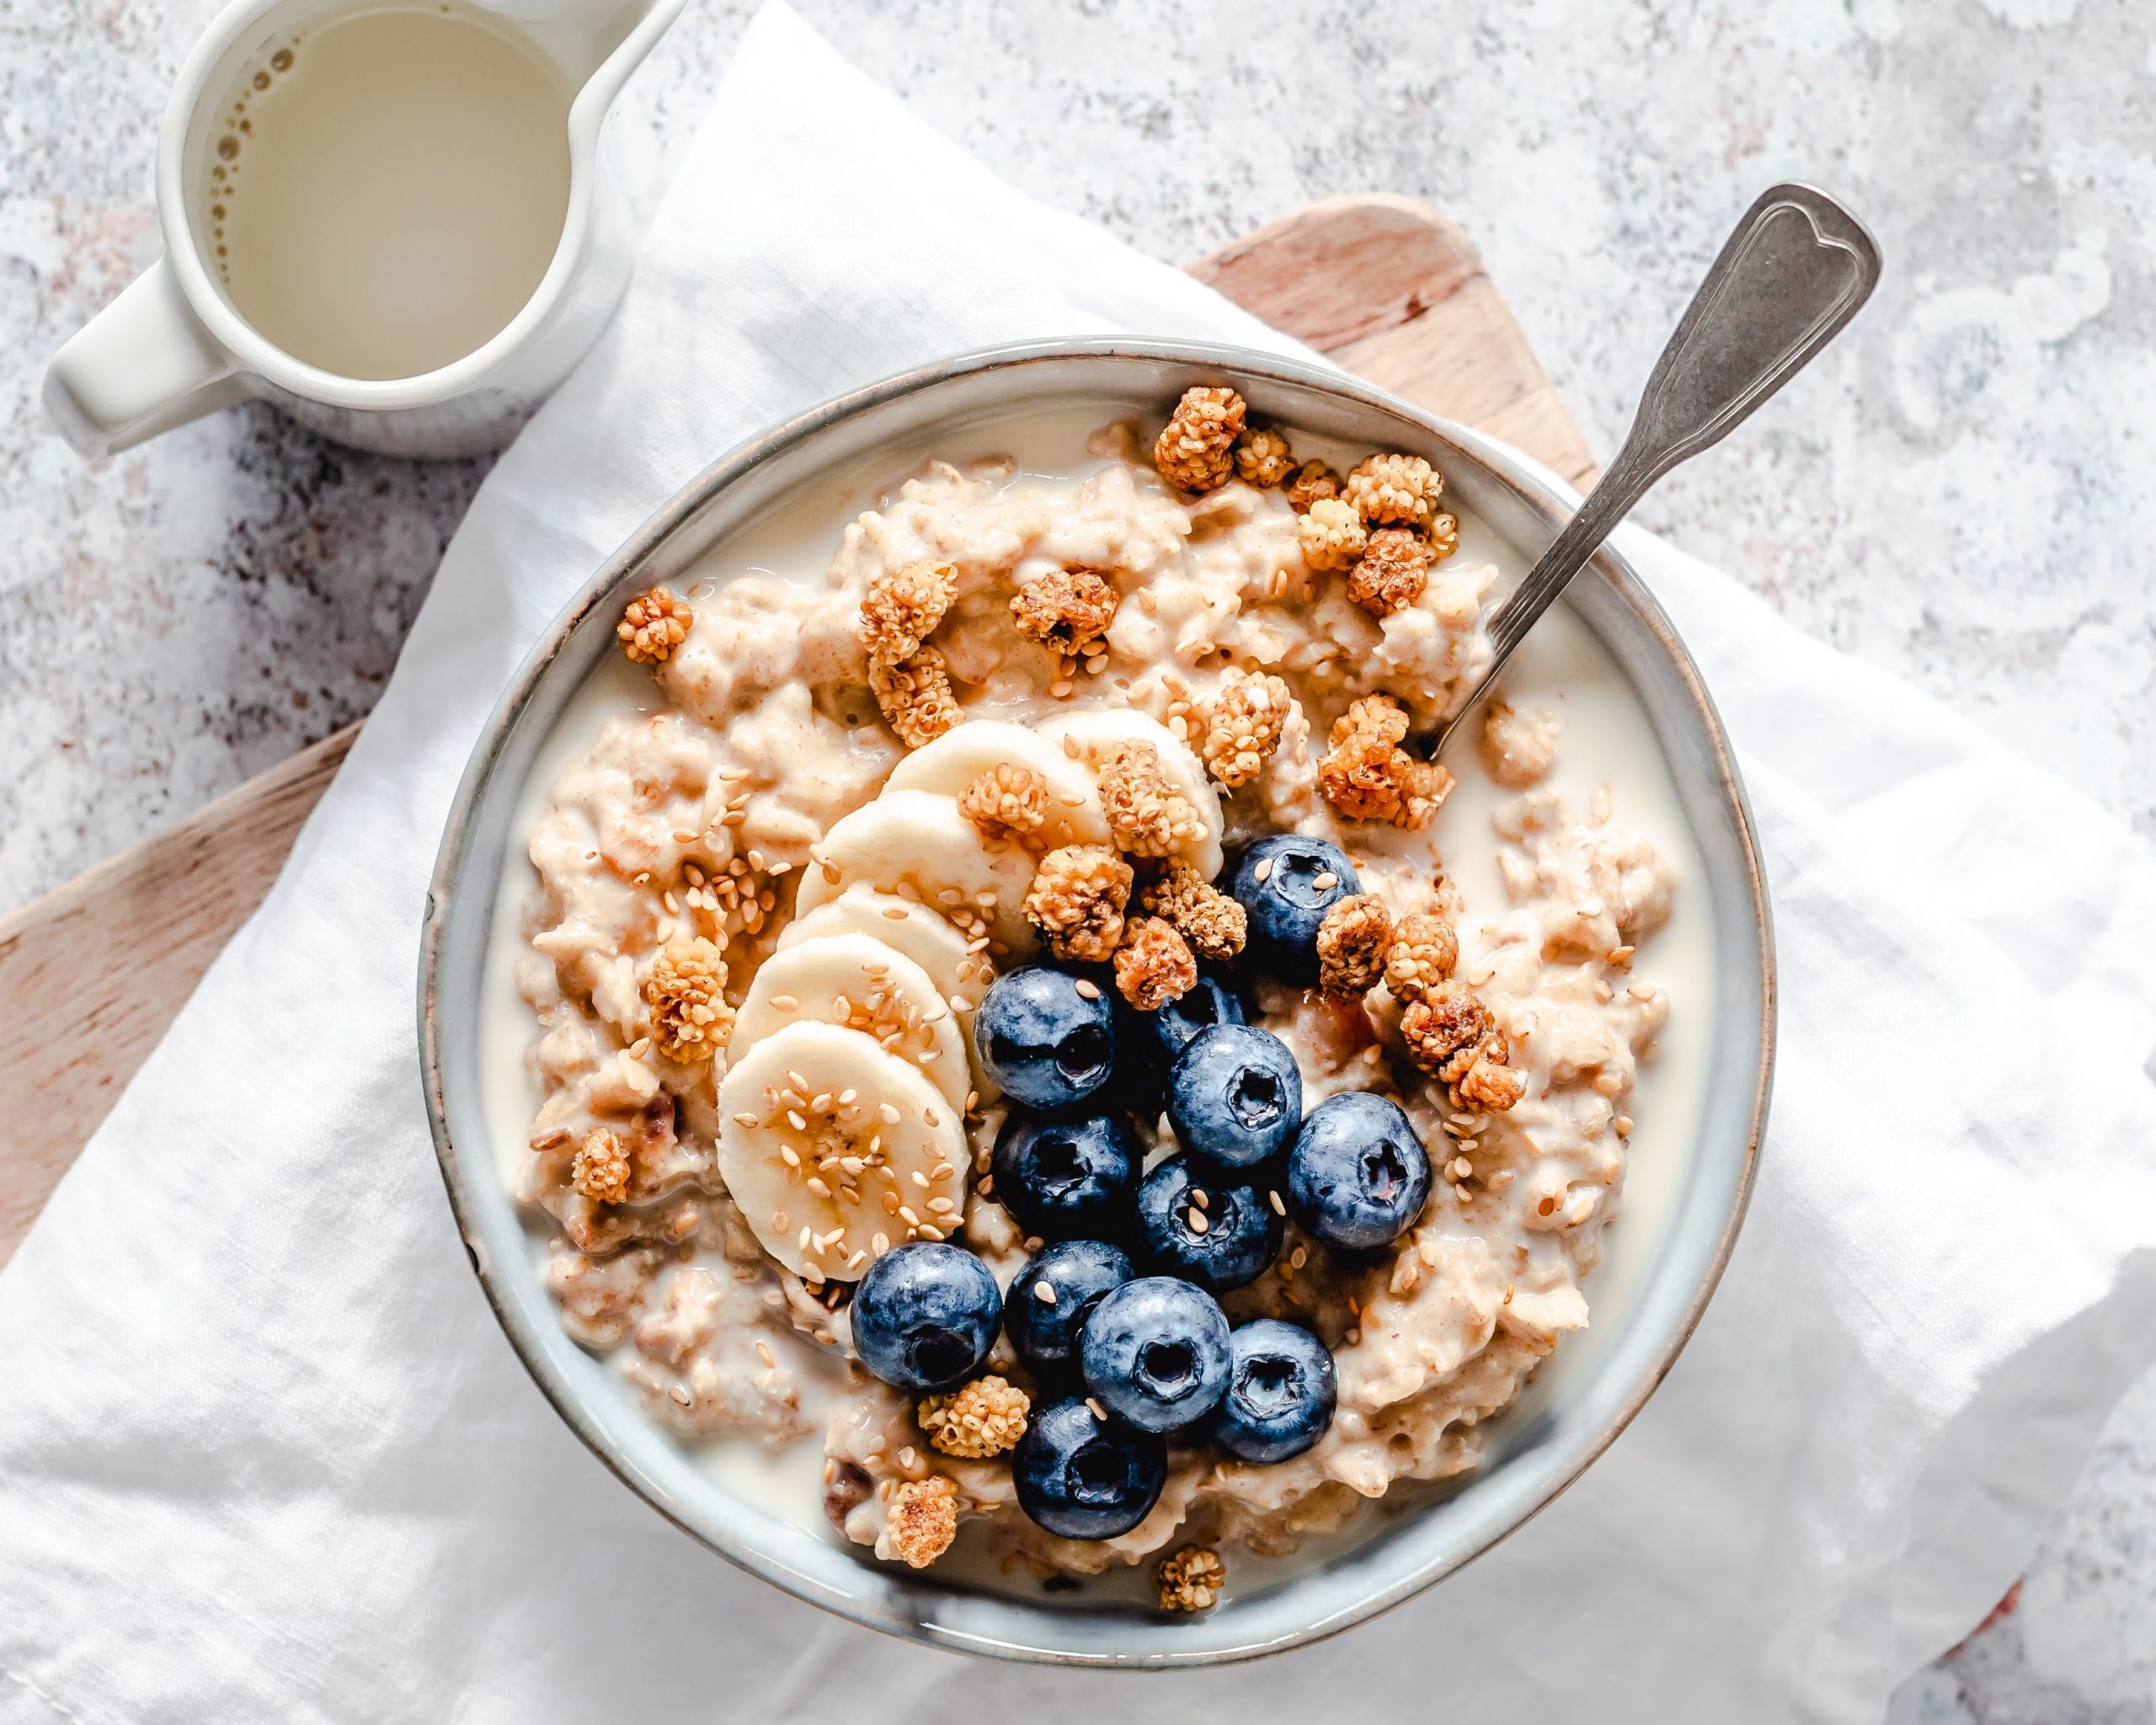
<point x="1795" y="270"/>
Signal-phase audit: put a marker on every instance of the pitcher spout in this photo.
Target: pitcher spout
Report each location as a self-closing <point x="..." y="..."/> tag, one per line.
<point x="596" y="46"/>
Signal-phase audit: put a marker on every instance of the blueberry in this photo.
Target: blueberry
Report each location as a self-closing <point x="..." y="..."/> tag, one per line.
<point x="1357" y="1175"/>
<point x="1282" y="1390"/>
<point x="1084" y="1477"/>
<point x="1046" y="1042"/>
<point x="1155" y="1351"/>
<point x="1163" y="1034"/>
<point x="925" y="1315"/>
<point x="1079" y="1273"/>
<point x="1242" y="1230"/>
<point x="1234" y="1096"/>
<point x="1066" y="1179"/>
<point x="1277" y="883"/>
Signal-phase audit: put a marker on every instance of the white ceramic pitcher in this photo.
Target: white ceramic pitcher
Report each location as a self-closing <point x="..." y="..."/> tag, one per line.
<point x="171" y="347"/>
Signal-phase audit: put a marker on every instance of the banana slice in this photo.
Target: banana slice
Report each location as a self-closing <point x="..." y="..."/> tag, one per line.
<point x="1091" y="732"/>
<point x="821" y="1133"/>
<point x="961" y="976"/>
<point x="965" y="751"/>
<point x="918" y="840"/>
<point x="867" y="984"/>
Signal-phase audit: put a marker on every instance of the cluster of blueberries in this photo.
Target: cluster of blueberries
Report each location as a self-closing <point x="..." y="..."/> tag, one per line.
<point x="1117" y="1315"/>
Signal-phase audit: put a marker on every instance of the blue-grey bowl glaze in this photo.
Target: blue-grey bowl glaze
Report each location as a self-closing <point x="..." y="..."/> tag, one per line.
<point x="1531" y="1454"/>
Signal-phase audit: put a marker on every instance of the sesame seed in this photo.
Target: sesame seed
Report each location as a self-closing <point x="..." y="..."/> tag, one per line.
<point x="1278" y="1208"/>
<point x="1197" y="1219"/>
<point x="764" y="1352"/>
<point x="679" y="1394"/>
<point x="1326" y="882"/>
<point x="1264" y="868"/>
<point x="879" y="1243"/>
<point x="1044" y="1293"/>
<point x="1098" y="1411"/>
<point x="1199" y="1197"/>
<point x="1087" y="990"/>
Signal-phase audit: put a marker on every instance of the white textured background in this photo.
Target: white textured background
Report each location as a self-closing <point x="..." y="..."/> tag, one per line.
<point x="1962" y="491"/>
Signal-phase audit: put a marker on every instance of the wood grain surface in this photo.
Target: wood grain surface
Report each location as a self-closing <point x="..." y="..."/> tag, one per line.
<point x="97" y="970"/>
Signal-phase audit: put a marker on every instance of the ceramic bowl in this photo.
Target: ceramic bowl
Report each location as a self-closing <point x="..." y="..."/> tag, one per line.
<point x="1576" y="1405"/>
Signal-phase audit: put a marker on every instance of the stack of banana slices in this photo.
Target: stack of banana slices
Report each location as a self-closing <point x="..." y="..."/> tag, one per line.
<point x="842" y="1111"/>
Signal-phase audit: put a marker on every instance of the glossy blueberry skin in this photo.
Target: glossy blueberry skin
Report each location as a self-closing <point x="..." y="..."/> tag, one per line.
<point x="1282" y="1390"/>
<point x="1047" y="1045"/>
<point x="925" y="1315"/>
<point x="1286" y="907"/>
<point x="1242" y="1230"/>
<point x="1156" y="1352"/>
<point x="1234" y="1096"/>
<point x="1162" y="1035"/>
<point x="1069" y="1179"/>
<point x="1357" y="1174"/>
<point x="1081" y="1272"/>
<point x="1084" y="1477"/>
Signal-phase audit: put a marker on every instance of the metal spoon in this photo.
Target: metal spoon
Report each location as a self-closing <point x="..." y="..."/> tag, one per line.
<point x="1794" y="271"/>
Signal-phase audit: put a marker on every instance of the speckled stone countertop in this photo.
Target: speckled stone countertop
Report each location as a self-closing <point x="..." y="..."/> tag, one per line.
<point x="1960" y="492"/>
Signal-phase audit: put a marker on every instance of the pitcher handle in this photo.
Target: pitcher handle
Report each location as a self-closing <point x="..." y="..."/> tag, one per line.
<point x="140" y="366"/>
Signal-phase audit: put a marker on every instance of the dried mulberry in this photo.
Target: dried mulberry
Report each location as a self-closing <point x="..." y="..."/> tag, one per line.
<point x="1006" y="801"/>
<point x="684" y="991"/>
<point x="1425" y="951"/>
<point x="601" y="1171"/>
<point x="977" y="1420"/>
<point x="1214" y="925"/>
<point x="1395" y="489"/>
<point x="924" y="1519"/>
<point x="1196" y="450"/>
<point x="1064" y="609"/>
<point x="902" y="607"/>
<point x="1392" y="571"/>
<point x="1263" y="458"/>
<point x="654" y="624"/>
<point x="1367" y="776"/>
<point x="1313" y="482"/>
<point x="916" y="696"/>
<point x="1190" y="1579"/>
<point x="1244" y="727"/>
<point x="1147" y="814"/>
<point x="1352" y="942"/>
<point x="1331" y="534"/>
<point x="1077" y="900"/>
<point x="1154" y="965"/>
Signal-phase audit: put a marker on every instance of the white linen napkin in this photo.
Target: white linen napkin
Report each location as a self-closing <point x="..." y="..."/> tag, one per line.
<point x="265" y="1455"/>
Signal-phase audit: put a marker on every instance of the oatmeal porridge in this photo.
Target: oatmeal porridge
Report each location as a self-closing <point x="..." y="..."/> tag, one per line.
<point x="1014" y="1047"/>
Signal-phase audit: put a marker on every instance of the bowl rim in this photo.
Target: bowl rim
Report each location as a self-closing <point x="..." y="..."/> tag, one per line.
<point x="1529" y="484"/>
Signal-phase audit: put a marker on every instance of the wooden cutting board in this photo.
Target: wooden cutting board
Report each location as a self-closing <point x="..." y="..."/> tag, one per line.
<point x="94" y="971"/>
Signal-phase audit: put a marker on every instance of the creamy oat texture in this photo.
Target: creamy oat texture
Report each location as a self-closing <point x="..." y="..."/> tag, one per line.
<point x="702" y="819"/>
